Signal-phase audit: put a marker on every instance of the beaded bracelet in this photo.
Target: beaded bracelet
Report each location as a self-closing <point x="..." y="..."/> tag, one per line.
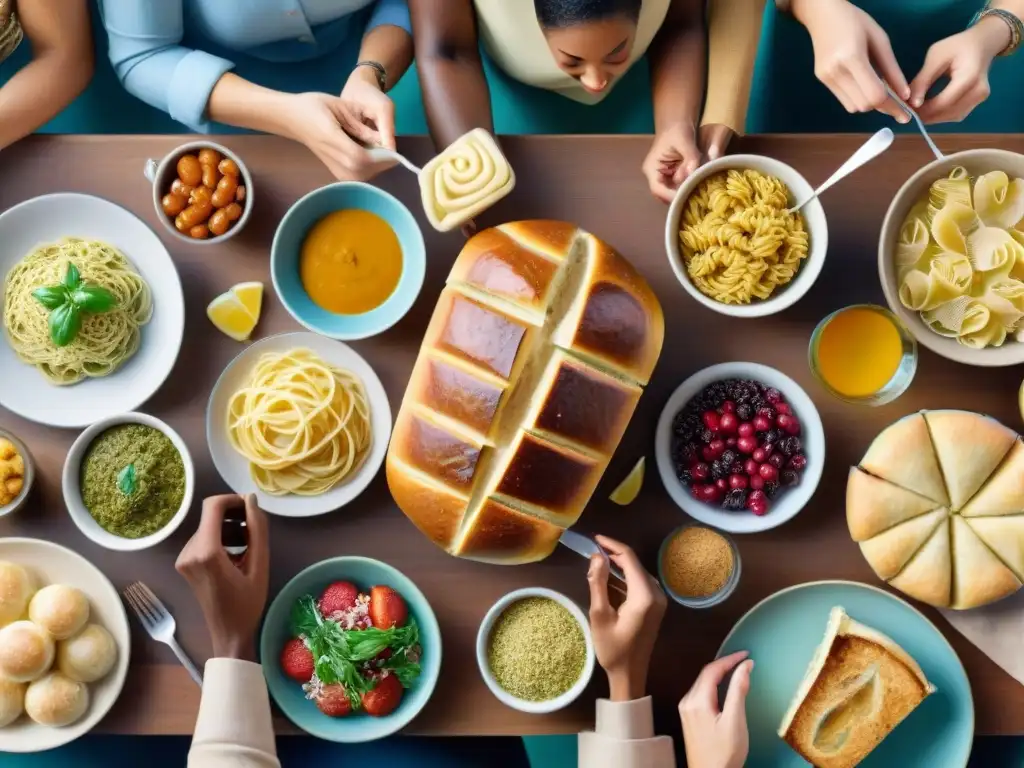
<point x="378" y="70"/>
<point x="1013" y="22"/>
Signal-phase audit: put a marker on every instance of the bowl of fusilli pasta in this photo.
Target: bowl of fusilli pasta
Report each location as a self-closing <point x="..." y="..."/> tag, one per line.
<point x="734" y="245"/>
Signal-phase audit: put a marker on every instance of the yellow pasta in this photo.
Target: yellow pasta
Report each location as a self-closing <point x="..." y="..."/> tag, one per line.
<point x="739" y="243"/>
<point x="303" y="424"/>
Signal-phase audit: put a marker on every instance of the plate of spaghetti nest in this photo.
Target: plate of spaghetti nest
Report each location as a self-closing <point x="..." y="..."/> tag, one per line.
<point x="302" y="421"/>
<point x="85" y="335"/>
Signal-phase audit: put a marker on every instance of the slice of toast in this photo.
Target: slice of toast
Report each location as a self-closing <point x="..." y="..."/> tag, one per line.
<point x="859" y="686"/>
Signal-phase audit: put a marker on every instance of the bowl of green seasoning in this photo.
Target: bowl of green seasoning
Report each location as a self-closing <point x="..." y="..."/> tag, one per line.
<point x="128" y="482"/>
<point x="535" y="650"/>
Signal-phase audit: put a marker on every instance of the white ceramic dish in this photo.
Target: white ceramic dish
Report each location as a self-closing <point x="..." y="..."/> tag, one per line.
<point x="814" y="216"/>
<point x="789" y="501"/>
<point x="30" y="473"/>
<point x="161" y="175"/>
<point x="48" y="219"/>
<point x="73" y="492"/>
<point x="52" y="564"/>
<point x="234" y="468"/>
<point x="484" y="633"/>
<point x="977" y="162"/>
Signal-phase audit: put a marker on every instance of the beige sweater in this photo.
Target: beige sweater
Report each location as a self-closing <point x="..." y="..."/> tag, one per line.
<point x="234" y="728"/>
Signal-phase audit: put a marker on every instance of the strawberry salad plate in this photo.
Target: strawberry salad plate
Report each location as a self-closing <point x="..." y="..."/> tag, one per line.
<point x="351" y="650"/>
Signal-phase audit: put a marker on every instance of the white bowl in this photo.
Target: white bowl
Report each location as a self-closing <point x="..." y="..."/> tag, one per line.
<point x="234" y="467"/>
<point x="814" y="217"/>
<point x="48" y="219"/>
<point x="30" y="473"/>
<point x="484" y="633"/>
<point x="73" y="492"/>
<point x="53" y="564"/>
<point x="789" y="501"/>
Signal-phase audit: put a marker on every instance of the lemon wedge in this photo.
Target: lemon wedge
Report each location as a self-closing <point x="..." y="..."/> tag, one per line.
<point x="1020" y="400"/>
<point x="236" y="312"/>
<point x="629" y="489"/>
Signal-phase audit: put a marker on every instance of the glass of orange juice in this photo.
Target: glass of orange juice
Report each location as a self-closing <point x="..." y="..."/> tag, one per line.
<point x="863" y="354"/>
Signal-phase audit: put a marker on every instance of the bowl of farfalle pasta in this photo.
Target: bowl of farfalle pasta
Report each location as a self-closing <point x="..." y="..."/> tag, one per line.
<point x="733" y="242"/>
<point x="951" y="257"/>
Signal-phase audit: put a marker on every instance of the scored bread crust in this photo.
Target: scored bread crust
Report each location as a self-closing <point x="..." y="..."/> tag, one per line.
<point x="530" y="370"/>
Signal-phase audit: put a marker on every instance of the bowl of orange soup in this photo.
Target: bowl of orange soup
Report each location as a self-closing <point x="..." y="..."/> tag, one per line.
<point x="348" y="260"/>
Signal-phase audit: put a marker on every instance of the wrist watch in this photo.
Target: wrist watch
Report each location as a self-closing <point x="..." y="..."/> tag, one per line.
<point x="1012" y="21"/>
<point x="378" y="70"/>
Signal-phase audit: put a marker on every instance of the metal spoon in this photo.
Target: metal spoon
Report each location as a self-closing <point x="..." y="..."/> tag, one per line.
<point x="381" y="155"/>
<point x="871" y="149"/>
<point x="920" y="124"/>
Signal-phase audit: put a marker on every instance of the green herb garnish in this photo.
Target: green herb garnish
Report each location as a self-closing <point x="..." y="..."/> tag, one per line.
<point x="339" y="654"/>
<point x="68" y="301"/>
<point x="127" y="481"/>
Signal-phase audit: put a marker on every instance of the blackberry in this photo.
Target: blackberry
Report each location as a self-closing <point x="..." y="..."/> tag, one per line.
<point x="706" y="435"/>
<point x="718" y="470"/>
<point x="771" y="488"/>
<point x="789" y="477"/>
<point x="791" y="445"/>
<point x="767" y="411"/>
<point x="735" y="499"/>
<point x="772" y="395"/>
<point x="685" y="476"/>
<point x="744" y="411"/>
<point x="771" y="436"/>
<point x="728" y="458"/>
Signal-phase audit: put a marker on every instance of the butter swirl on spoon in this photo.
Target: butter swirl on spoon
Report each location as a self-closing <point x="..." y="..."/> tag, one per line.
<point x="466" y="179"/>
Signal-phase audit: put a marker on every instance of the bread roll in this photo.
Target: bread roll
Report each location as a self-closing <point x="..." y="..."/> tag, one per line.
<point x="12" y="701"/>
<point x="16" y="588"/>
<point x="529" y="373"/>
<point x="87" y="656"/>
<point x="60" y="610"/>
<point x="56" y="701"/>
<point x="26" y="652"/>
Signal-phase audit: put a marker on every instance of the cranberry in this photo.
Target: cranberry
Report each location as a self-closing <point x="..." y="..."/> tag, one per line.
<point x="722" y="484"/>
<point x="718" y="446"/>
<point x="768" y="472"/>
<point x="767" y="411"/>
<point x="783" y="408"/>
<point x="777" y="460"/>
<point x="757" y="496"/>
<point x="695" y="490"/>
<point x="728" y="407"/>
<point x="773" y="396"/>
<point x="746" y="429"/>
<point x="759" y="455"/>
<point x="759" y="508"/>
<point x="756" y="482"/>
<point x="751" y="467"/>
<point x="738" y="481"/>
<point x="728" y="423"/>
<point x="708" y="454"/>
<point x="789" y="477"/>
<point x="788" y="423"/>
<point x="762" y="423"/>
<point x="700" y="471"/>
<point x="730" y="442"/>
<point x="747" y="444"/>
<point x="709" y="493"/>
<point x="711" y="420"/>
<point x="798" y="462"/>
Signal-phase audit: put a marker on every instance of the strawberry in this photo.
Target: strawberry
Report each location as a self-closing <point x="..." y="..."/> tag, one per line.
<point x="339" y="596"/>
<point x="387" y="608"/>
<point x="385" y="698"/>
<point x="333" y="701"/>
<point x="297" y="661"/>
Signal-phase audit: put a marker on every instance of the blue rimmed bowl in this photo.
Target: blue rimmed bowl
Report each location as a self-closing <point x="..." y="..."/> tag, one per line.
<point x="284" y="259"/>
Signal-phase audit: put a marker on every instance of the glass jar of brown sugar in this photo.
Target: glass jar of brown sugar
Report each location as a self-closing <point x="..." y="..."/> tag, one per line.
<point x="698" y="566"/>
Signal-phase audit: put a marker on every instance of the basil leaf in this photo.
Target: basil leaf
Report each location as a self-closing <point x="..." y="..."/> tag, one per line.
<point x="65" y="322"/>
<point x="127" y="481"/>
<point x="52" y="296"/>
<point x="93" y="298"/>
<point x="72" y="278"/>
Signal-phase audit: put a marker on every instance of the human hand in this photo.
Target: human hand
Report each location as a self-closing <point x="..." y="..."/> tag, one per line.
<point x="850" y="52"/>
<point x="714" y="140"/>
<point x="673" y="156"/>
<point x="713" y="738"/>
<point x="232" y="596"/>
<point x="624" y="638"/>
<point x="966" y="58"/>
<point x="369" y="113"/>
<point x="321" y="121"/>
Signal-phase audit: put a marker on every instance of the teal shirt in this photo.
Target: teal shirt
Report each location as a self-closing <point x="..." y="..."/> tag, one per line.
<point x="786" y="96"/>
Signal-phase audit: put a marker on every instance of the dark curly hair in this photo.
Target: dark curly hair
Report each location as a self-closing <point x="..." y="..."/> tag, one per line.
<point x="567" y="13"/>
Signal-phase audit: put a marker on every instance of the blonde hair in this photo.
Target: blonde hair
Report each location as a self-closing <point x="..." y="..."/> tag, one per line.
<point x="10" y="29"/>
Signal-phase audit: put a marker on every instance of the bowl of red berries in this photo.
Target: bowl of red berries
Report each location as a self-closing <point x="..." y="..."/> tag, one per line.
<point x="351" y="650"/>
<point x="741" y="447"/>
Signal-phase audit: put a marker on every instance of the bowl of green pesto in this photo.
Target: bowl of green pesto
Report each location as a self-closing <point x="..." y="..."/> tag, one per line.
<point x="128" y="481"/>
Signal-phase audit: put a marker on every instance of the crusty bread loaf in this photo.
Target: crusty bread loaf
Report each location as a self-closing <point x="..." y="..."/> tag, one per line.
<point x="858" y="687"/>
<point x="529" y="373"/>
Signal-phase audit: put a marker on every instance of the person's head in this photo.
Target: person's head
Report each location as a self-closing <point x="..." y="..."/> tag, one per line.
<point x="590" y="39"/>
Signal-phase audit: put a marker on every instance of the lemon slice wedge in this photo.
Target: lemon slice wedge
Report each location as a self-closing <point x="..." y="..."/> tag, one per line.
<point x="629" y="489"/>
<point x="236" y="312"/>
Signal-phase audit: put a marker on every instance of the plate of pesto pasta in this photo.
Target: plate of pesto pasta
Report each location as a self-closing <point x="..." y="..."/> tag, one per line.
<point x="92" y="307"/>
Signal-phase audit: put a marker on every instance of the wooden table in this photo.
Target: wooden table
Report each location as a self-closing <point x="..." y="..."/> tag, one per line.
<point x="595" y="182"/>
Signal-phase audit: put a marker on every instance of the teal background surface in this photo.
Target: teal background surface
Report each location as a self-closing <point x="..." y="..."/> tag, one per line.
<point x="786" y="98"/>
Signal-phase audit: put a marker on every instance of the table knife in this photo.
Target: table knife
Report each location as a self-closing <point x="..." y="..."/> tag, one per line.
<point x="587" y="547"/>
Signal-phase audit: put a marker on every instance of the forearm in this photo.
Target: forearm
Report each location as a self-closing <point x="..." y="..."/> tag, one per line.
<point x="238" y="102"/>
<point x="389" y="46"/>
<point x="39" y="91"/>
<point x="677" y="76"/>
<point x="455" y="96"/>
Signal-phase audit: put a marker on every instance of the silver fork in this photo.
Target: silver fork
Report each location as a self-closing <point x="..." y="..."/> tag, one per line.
<point x="158" y="622"/>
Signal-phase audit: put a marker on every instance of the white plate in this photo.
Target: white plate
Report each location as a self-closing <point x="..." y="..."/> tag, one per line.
<point x="234" y="467"/>
<point x="50" y="218"/>
<point x="52" y="564"/>
<point x="789" y="501"/>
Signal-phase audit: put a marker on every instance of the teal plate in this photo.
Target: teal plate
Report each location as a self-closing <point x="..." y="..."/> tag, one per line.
<point x="782" y="632"/>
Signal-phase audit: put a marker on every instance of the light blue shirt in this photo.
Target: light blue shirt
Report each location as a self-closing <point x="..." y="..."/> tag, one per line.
<point x="146" y="41"/>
